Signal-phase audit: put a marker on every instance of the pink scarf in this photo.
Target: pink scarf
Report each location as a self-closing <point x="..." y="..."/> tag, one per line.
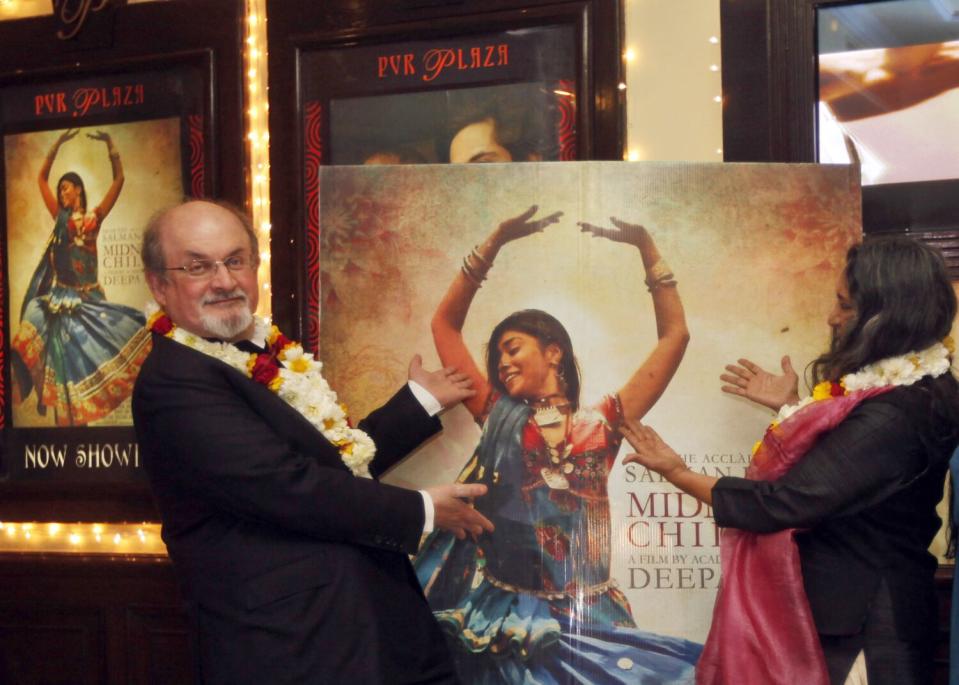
<point x="762" y="629"/>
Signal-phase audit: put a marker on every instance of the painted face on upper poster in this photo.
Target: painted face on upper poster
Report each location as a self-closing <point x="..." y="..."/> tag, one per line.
<point x="527" y="369"/>
<point x="219" y="304"/>
<point x="843" y="311"/>
<point x="477" y="142"/>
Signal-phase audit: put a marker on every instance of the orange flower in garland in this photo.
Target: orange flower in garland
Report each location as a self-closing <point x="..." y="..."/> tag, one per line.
<point x="822" y="391"/>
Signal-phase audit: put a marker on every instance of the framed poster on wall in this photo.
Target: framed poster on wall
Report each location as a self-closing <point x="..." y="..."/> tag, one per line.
<point x="89" y="152"/>
<point x="490" y="82"/>
<point x="874" y="83"/>
<point x="888" y="98"/>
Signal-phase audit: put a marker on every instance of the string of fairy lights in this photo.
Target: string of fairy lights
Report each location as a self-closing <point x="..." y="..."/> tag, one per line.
<point x="258" y="138"/>
<point x="144" y="538"/>
<point x="108" y="538"/>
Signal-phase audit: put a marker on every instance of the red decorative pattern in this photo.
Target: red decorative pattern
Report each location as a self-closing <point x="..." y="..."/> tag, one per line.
<point x="312" y="158"/>
<point x="195" y="124"/>
<point x="566" y="125"/>
<point x="3" y="346"/>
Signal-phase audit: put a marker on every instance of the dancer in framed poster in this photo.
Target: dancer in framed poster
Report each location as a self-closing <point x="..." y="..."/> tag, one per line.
<point x="74" y="350"/>
<point x="534" y="601"/>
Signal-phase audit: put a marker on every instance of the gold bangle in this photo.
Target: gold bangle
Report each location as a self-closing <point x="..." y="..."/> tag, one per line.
<point x="478" y="271"/>
<point x="471" y="275"/>
<point x="658" y="273"/>
<point x="653" y="287"/>
<point x="471" y="278"/>
<point x="480" y="258"/>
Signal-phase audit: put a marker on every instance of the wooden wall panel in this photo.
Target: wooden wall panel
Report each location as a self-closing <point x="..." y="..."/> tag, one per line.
<point x="72" y="620"/>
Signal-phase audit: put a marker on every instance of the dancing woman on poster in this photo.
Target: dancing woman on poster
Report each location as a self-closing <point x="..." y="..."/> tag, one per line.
<point x="534" y="602"/>
<point x="77" y="351"/>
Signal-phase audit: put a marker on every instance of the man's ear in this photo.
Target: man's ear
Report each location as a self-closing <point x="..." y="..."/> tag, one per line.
<point x="157" y="284"/>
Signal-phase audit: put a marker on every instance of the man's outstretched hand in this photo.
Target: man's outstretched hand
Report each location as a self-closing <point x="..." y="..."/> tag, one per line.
<point x="454" y="512"/>
<point x="447" y="385"/>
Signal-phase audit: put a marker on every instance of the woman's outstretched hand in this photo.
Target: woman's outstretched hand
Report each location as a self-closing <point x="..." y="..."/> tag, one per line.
<point x="631" y="234"/>
<point x="69" y="134"/>
<point x="100" y="135"/>
<point x="651" y="451"/>
<point x="752" y="382"/>
<point x="522" y="226"/>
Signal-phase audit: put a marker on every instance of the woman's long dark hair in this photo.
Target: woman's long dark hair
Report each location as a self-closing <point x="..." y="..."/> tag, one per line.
<point x="75" y="179"/>
<point x="903" y="301"/>
<point x="548" y="331"/>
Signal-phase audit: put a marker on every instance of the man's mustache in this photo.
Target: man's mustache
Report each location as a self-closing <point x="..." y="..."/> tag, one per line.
<point x="223" y="297"/>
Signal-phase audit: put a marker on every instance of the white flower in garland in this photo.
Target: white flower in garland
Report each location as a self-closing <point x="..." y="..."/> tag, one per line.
<point x="293" y="374"/>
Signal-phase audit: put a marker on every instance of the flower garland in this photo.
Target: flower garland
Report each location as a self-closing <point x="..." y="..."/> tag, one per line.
<point x="905" y="369"/>
<point x="298" y="381"/>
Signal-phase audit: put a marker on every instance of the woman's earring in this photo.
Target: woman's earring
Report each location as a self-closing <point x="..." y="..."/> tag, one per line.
<point x="560" y="376"/>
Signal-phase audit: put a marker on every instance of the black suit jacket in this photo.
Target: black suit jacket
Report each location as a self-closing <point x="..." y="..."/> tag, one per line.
<point x="295" y="570"/>
<point x="866" y="495"/>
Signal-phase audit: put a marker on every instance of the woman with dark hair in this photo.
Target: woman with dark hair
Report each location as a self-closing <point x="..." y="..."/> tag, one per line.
<point x="534" y="601"/>
<point x="79" y="353"/>
<point x="826" y="572"/>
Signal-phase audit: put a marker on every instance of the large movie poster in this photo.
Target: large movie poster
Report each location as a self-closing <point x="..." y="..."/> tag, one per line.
<point x="755" y="251"/>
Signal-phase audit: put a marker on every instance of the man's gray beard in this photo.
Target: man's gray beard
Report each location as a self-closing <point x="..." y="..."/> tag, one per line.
<point x="228" y="327"/>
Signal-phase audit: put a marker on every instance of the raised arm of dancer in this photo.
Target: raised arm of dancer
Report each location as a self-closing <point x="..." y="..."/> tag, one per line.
<point x="113" y="192"/>
<point x="450" y="315"/>
<point x="50" y="194"/>
<point x="649" y="381"/>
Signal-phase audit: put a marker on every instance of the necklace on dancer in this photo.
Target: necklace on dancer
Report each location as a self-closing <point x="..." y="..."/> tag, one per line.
<point x="550" y="415"/>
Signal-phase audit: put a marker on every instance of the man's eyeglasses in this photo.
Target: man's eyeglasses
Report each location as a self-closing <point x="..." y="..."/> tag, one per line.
<point x="206" y="268"/>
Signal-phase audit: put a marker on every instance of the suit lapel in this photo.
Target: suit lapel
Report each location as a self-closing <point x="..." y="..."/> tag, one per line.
<point x="282" y="418"/>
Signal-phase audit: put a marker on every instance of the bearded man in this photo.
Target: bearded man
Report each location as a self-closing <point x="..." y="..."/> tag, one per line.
<point x="293" y="564"/>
